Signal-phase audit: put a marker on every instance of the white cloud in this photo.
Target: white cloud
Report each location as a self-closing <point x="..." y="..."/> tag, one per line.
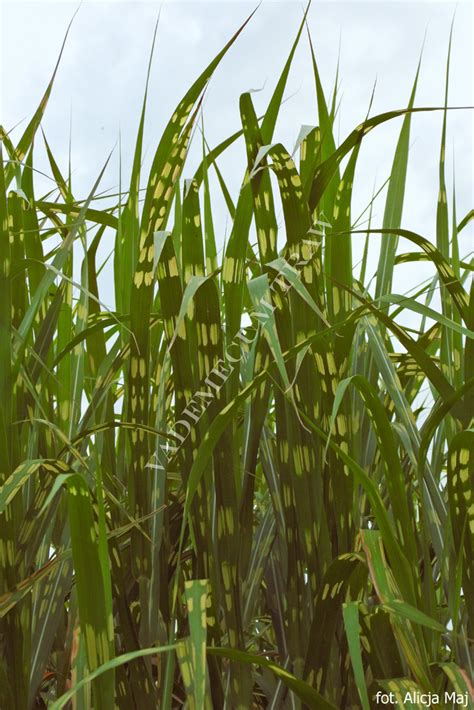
<point x="102" y="74"/>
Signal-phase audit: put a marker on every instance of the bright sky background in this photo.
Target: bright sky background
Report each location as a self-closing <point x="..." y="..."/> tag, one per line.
<point x="101" y="80"/>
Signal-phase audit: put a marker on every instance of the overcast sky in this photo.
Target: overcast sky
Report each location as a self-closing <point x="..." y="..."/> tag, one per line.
<point x="101" y="81"/>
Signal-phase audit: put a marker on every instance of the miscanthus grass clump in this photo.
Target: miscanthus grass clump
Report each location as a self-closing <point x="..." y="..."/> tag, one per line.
<point x="249" y="483"/>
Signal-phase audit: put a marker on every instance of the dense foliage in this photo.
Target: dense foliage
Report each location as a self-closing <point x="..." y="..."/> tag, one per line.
<point x="250" y="484"/>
